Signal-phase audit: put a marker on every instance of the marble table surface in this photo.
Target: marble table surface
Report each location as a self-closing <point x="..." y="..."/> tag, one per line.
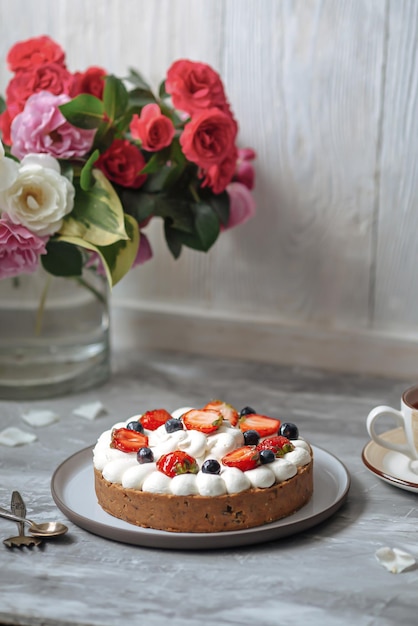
<point x="326" y="575"/>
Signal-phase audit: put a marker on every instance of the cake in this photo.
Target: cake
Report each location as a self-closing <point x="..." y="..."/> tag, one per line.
<point x="202" y="470"/>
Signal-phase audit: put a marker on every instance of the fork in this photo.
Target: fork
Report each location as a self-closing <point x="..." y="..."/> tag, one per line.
<point x="18" y="508"/>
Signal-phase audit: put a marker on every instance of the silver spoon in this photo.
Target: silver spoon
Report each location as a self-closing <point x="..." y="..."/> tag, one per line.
<point x="45" y="529"/>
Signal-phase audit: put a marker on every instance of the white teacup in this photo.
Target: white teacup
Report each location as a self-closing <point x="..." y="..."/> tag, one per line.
<point x="406" y="418"/>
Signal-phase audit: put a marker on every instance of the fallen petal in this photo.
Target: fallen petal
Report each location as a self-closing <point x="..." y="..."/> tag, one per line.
<point x="394" y="560"/>
<point x="39" y="418"/>
<point x="90" y="411"/>
<point x="15" y="437"/>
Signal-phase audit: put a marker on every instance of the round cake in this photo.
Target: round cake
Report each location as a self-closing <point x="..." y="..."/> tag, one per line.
<point x="202" y="470"/>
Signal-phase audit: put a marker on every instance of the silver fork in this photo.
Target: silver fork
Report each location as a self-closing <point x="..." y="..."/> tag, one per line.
<point x="18" y="508"/>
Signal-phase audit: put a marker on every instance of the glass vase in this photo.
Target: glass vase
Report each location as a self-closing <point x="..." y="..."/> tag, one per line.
<point x="54" y="335"/>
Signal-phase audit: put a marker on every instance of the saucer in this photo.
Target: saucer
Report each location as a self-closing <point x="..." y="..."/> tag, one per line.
<point x="390" y="466"/>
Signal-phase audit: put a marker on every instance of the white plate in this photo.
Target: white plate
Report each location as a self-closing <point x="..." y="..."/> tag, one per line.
<point x="392" y="467"/>
<point x="72" y="488"/>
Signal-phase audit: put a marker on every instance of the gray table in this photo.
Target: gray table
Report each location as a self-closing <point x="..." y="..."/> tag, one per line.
<point x="327" y="575"/>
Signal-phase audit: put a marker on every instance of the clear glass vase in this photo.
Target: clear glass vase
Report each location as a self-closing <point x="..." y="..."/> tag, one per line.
<point x="54" y="335"/>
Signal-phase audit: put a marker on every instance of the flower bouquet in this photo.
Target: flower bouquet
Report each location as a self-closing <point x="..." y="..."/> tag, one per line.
<point x="87" y="159"/>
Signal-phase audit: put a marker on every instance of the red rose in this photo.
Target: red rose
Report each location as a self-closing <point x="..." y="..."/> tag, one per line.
<point x="195" y="87"/>
<point x="33" y="52"/>
<point x="121" y="163"/>
<point x="155" y="130"/>
<point x="5" y="126"/>
<point x="219" y="176"/>
<point x="50" y="77"/>
<point x="209" y="138"/>
<point x="91" y="81"/>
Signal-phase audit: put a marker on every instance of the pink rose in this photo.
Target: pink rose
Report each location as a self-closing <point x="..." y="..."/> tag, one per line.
<point x="156" y="131"/>
<point x="33" y="52"/>
<point x="41" y="128"/>
<point x="121" y="163"/>
<point x="91" y="81"/>
<point x="195" y="87"/>
<point x="208" y="138"/>
<point x="219" y="176"/>
<point x="144" y="253"/>
<point x="244" y="172"/>
<point x="19" y="249"/>
<point x="242" y="205"/>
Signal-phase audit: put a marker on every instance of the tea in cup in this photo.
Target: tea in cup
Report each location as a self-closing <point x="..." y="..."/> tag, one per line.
<point x="405" y="418"/>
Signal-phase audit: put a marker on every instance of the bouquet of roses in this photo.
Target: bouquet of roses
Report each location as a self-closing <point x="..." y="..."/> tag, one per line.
<point x="88" y="159"/>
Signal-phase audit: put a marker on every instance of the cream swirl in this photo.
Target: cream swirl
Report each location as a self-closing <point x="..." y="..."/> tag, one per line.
<point x="123" y="468"/>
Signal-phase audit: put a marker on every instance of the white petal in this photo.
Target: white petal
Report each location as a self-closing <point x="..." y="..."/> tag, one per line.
<point x="15" y="437"/>
<point x="40" y="418"/>
<point x="90" y="411"/>
<point x="8" y="172"/>
<point x="394" y="560"/>
<point x="42" y="161"/>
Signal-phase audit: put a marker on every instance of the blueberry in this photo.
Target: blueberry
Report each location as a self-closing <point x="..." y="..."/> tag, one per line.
<point x="145" y="455"/>
<point x="173" y="424"/>
<point x="211" y="466"/>
<point x="135" y="426"/>
<point x="267" y="456"/>
<point x="247" y="410"/>
<point x="289" y="430"/>
<point x="251" y="437"/>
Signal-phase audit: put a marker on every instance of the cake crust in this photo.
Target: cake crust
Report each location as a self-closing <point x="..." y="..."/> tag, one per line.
<point x="206" y="514"/>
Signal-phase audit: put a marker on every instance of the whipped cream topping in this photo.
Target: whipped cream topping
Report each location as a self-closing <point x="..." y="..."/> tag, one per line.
<point x="123" y="468"/>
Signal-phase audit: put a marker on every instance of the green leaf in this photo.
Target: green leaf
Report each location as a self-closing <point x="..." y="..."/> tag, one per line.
<point x="161" y="91"/>
<point x="115" y="98"/>
<point x="117" y="258"/>
<point x="87" y="179"/>
<point x="173" y="240"/>
<point x="138" y="98"/>
<point x="84" y="111"/>
<point x="220" y="204"/>
<point x="136" y="79"/>
<point x="97" y="216"/>
<point x="2" y="104"/>
<point x="157" y="161"/>
<point x="137" y="203"/>
<point x="207" y="225"/>
<point x="62" y="259"/>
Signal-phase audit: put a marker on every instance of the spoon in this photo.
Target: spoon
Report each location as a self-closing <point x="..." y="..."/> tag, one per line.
<point x="45" y="529"/>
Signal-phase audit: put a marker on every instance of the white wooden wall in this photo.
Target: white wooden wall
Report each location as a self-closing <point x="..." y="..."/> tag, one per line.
<point x="326" y="91"/>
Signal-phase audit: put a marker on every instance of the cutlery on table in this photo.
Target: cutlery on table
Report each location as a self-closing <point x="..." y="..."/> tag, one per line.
<point x="18" y="509"/>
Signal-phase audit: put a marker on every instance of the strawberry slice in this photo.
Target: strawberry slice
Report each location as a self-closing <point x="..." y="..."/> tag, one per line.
<point x="265" y="426"/>
<point x="244" y="458"/>
<point x="280" y="445"/>
<point x="227" y="411"/>
<point x="128" y="440"/>
<point x="177" y="462"/>
<point x="151" y="420"/>
<point x="204" y="420"/>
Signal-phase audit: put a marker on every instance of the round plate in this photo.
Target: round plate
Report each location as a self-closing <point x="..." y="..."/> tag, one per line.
<point x="72" y="488"/>
<point x="390" y="466"/>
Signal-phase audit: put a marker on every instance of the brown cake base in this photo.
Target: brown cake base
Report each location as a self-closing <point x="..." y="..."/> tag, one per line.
<point x="204" y="514"/>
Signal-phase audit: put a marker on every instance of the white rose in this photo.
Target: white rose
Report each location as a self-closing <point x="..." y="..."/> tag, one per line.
<point x="8" y="170"/>
<point x="40" y="197"/>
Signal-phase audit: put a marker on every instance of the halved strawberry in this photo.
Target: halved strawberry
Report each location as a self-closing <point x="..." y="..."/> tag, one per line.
<point x="177" y="462"/>
<point x="245" y="458"/>
<point x="264" y="425"/>
<point x="128" y="440"/>
<point x="280" y="445"/>
<point x="227" y="411"/>
<point x="151" y="420"/>
<point x="204" y="420"/>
